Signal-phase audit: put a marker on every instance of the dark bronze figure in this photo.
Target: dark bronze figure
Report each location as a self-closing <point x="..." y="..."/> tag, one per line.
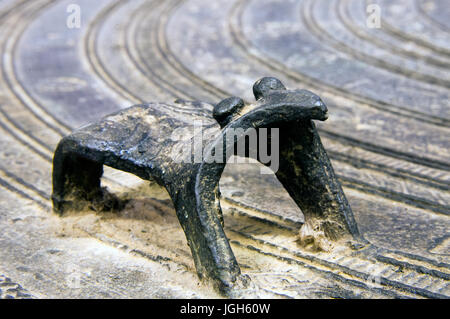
<point x="148" y="141"/>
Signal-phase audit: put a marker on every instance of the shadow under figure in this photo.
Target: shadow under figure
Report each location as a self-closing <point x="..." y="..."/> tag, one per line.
<point x="144" y="140"/>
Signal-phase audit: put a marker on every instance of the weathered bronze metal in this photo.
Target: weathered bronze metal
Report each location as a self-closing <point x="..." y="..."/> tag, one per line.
<point x="147" y="140"/>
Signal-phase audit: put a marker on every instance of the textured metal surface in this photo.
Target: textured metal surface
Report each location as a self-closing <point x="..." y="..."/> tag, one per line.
<point x="387" y="90"/>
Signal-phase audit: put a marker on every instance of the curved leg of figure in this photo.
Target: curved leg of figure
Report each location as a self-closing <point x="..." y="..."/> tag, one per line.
<point x="200" y="217"/>
<point x="74" y="176"/>
<point x="308" y="176"/>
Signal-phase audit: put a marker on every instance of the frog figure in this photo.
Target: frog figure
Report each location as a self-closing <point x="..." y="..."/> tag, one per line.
<point x="140" y="140"/>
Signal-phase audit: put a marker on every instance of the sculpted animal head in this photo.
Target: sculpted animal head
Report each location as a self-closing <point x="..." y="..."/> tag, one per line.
<point x="272" y="95"/>
<point x="269" y="90"/>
